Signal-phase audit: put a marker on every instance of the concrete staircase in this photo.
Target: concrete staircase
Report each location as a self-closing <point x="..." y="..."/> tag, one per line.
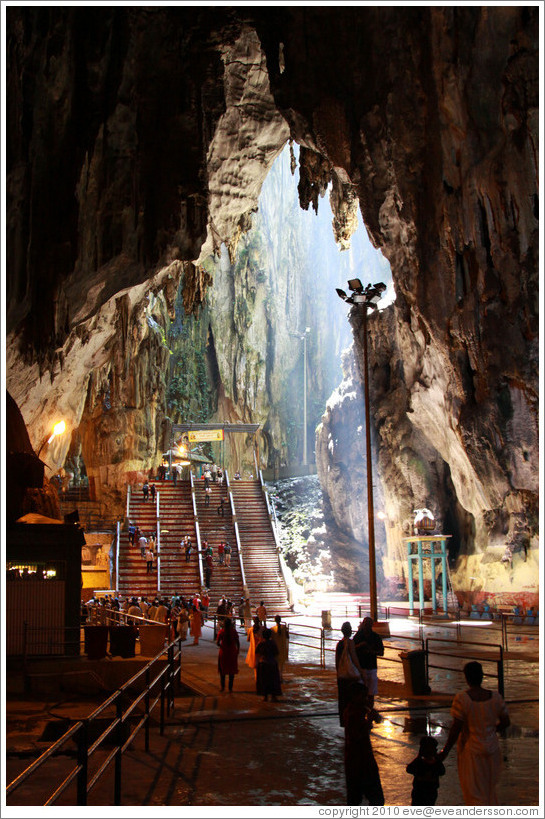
<point x="264" y="577"/>
<point x="262" y="570"/>
<point x="226" y="580"/>
<point x="176" y="520"/>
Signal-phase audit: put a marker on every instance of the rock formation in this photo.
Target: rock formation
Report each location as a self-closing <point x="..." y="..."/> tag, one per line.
<point x="138" y="139"/>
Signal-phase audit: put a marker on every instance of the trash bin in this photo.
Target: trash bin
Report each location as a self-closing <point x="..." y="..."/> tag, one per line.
<point x="414" y="671"/>
<point x="122" y="641"/>
<point x="326" y="619"/>
<point x="96" y="642"/>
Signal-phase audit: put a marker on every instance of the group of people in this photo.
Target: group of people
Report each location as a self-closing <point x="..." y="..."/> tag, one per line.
<point x="148" y="491"/>
<point x="267" y="654"/>
<point x="478" y="714"/>
<point x="212" y="473"/>
<point x="146" y="544"/>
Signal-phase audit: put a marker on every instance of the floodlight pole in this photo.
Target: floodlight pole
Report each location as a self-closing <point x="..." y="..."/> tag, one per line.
<point x="370" y="507"/>
<point x="367" y="297"/>
<point x="305" y="454"/>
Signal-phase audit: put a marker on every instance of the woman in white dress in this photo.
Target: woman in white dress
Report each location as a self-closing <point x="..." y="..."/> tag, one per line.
<point x="478" y="715"/>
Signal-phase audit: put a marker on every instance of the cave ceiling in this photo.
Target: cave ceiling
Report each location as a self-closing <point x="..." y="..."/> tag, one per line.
<point x="137" y="141"/>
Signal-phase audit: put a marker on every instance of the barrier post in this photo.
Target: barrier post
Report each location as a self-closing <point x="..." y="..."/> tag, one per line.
<point x="504" y="631"/>
<point x="119" y="751"/>
<point x="146" y="705"/>
<point x="501" y="685"/>
<point x="426" y="662"/>
<point x="82" y="764"/>
<point x="162" y="709"/>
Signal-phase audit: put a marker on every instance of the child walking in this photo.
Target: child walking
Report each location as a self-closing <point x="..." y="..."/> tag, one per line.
<point x="426" y="769"/>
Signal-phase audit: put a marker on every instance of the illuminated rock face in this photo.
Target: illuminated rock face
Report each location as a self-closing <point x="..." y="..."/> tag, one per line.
<point x="137" y="137"/>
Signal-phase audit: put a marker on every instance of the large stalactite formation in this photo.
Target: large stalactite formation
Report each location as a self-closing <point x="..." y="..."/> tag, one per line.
<point x="137" y="142"/>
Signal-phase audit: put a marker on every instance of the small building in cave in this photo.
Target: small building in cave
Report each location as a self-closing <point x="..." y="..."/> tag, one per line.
<point x="43" y="586"/>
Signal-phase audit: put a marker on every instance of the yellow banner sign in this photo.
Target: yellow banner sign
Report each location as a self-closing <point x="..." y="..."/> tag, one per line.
<point x="205" y="435"/>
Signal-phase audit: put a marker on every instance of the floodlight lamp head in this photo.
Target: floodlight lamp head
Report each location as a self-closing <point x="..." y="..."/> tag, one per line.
<point x="341" y="294"/>
<point x="356" y="285"/>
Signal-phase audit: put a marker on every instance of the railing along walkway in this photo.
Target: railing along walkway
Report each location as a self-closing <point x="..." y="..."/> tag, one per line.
<point x="132" y="714"/>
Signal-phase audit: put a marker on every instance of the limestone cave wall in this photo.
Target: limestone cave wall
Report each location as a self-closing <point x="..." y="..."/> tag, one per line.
<point x="139" y="138"/>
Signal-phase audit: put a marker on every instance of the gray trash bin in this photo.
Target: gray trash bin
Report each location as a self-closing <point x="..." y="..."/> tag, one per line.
<point x="414" y="671"/>
<point x="326" y="619"/>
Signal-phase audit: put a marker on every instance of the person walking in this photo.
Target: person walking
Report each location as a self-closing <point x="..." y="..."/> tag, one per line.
<point x="229" y="645"/>
<point x="426" y="769"/>
<point x="183" y="622"/>
<point x="149" y="560"/>
<point x="348" y="669"/>
<point x="247" y="614"/>
<point x="207" y="493"/>
<point x="268" y="675"/>
<point x="360" y="766"/>
<point x="261" y="613"/>
<point x="208" y="570"/>
<point x="137" y="536"/>
<point x="255" y="636"/>
<point x="241" y="612"/>
<point x="205" y="605"/>
<point x="280" y="637"/>
<point x="195" y="628"/>
<point x="145" y="490"/>
<point x="227" y="552"/>
<point x="478" y="714"/>
<point x="369" y="646"/>
<point x="143" y="543"/>
<point x="221" y="611"/>
<point x="152" y="491"/>
<point x="221" y="553"/>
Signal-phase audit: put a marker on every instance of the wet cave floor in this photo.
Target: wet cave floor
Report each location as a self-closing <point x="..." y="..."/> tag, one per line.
<point x="221" y="749"/>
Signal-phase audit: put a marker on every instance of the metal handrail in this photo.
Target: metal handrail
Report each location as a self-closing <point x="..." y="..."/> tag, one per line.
<point x="237" y="533"/>
<point x="80" y="729"/>
<point x="158" y="536"/>
<point x="117" y="548"/>
<point x="288" y="581"/>
<point x="197" y="529"/>
<point x="499" y="662"/>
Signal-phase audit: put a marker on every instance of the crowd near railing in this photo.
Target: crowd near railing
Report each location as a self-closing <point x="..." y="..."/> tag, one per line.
<point x="156" y="684"/>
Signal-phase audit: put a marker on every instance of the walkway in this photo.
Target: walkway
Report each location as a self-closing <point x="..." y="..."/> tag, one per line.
<point x="235" y="750"/>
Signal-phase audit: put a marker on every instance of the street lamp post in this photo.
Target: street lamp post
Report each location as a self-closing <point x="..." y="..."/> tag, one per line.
<point x="368" y="298"/>
<point x="303" y="337"/>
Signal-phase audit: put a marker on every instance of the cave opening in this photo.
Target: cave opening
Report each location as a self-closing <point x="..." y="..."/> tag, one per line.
<point x="271" y="322"/>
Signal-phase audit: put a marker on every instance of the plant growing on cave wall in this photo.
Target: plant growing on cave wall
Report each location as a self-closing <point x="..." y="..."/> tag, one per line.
<point x="189" y="391"/>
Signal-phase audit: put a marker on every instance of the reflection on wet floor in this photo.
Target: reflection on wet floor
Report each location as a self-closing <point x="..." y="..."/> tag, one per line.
<point x="396" y="739"/>
<point x="221" y="750"/>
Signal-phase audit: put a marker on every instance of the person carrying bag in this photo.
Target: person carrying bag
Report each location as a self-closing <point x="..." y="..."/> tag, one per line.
<point x="348" y="668"/>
